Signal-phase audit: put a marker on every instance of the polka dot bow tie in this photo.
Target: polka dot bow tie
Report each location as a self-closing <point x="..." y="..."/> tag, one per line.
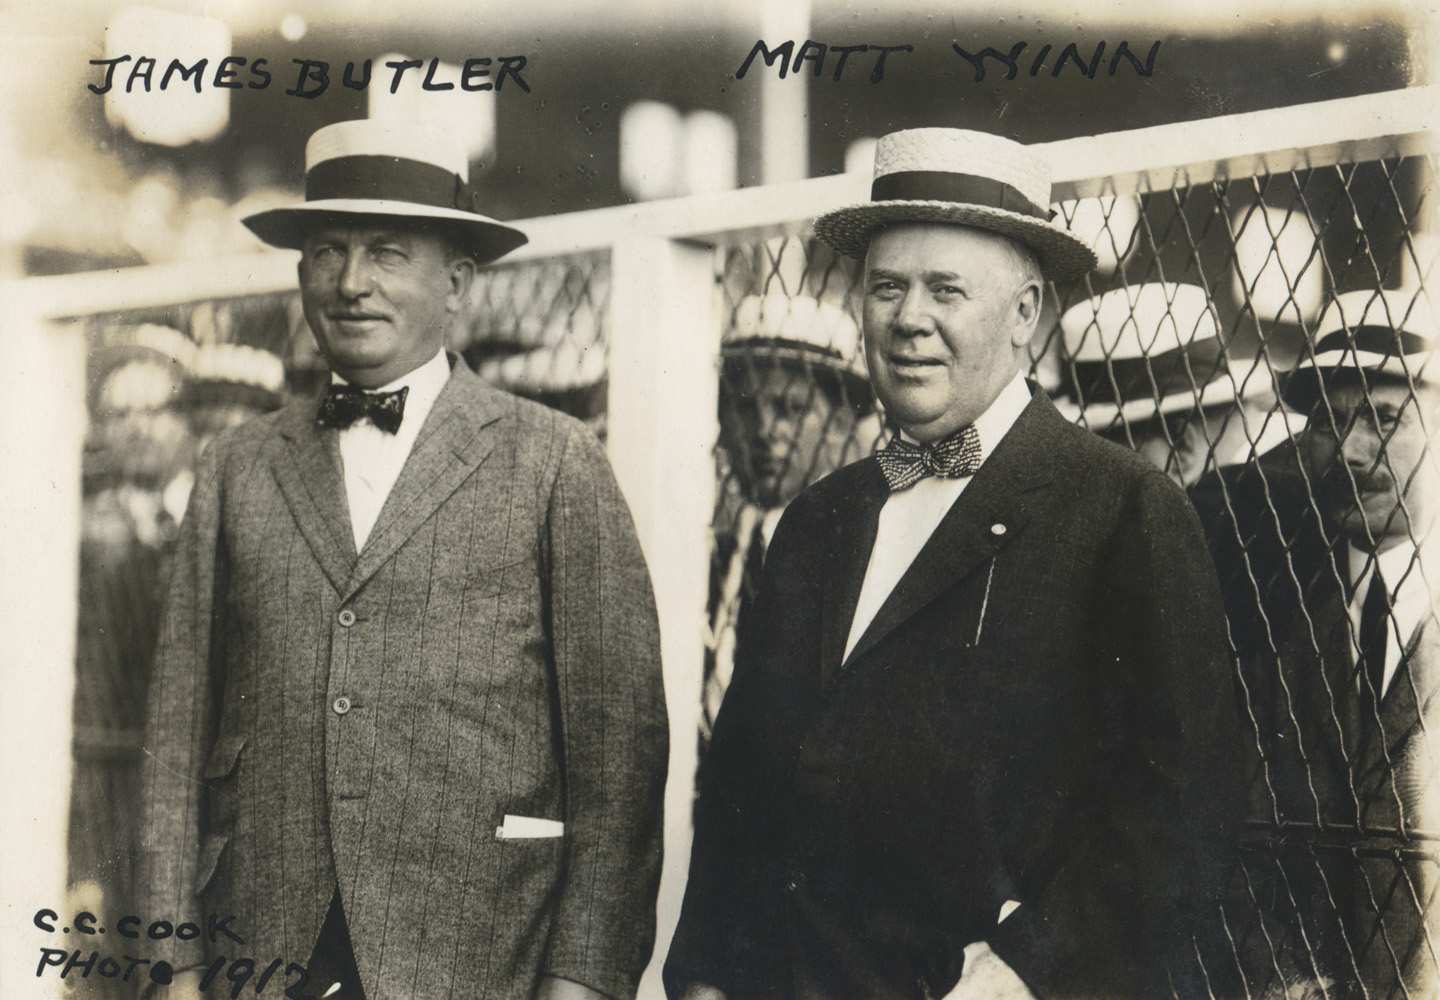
<point x="905" y="464"/>
<point x="342" y="405"/>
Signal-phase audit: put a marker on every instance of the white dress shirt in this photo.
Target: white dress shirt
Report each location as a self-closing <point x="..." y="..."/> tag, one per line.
<point x="911" y="516"/>
<point x="372" y="459"/>
<point x="1409" y="599"/>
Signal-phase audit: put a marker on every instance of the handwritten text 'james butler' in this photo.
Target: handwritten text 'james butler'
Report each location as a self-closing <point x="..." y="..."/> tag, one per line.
<point x="792" y="60"/>
<point x="313" y="77"/>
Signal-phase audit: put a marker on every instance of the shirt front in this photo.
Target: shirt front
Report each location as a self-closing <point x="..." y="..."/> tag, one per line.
<point x="1400" y="569"/>
<point x="910" y="516"/>
<point x="372" y="459"/>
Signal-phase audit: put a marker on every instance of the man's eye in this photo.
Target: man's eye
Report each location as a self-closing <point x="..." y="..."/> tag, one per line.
<point x="388" y="253"/>
<point x="948" y="291"/>
<point x="322" y="253"/>
<point x="884" y="289"/>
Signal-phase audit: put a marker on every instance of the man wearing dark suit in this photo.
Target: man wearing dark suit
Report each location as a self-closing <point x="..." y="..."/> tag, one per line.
<point x="407" y="725"/>
<point x="985" y="742"/>
<point x="1334" y="614"/>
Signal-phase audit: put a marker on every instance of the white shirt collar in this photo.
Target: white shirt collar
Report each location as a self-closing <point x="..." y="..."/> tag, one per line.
<point x="999" y="416"/>
<point x="1399" y="566"/>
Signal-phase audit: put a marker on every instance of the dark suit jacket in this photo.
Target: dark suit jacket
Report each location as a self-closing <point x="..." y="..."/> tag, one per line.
<point x="1357" y="780"/>
<point x="1042" y="711"/>
<point x="1339" y="786"/>
<point x="496" y="640"/>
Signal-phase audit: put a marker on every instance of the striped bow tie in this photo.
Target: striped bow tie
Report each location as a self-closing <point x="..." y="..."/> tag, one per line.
<point x="905" y="464"/>
<point x="342" y="405"/>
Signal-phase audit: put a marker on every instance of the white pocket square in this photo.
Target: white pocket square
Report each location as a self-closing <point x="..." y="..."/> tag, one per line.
<point x="1007" y="908"/>
<point x="528" y="827"/>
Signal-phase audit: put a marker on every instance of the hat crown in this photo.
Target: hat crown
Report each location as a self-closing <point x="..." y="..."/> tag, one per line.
<point x="962" y="151"/>
<point x="1403" y="310"/>
<point x="1138" y="321"/>
<point x="401" y="140"/>
<point x="801" y="321"/>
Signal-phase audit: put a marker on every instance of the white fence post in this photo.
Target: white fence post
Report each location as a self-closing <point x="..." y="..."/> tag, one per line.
<point x="662" y="428"/>
<point x="43" y="381"/>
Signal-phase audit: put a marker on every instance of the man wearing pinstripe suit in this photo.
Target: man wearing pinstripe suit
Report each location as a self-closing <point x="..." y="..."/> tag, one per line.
<point x="407" y="726"/>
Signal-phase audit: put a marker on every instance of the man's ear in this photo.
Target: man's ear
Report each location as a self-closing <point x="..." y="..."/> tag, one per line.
<point x="462" y="276"/>
<point x="1027" y="312"/>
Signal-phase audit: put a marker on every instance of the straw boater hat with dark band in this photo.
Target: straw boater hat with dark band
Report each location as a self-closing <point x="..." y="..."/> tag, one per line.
<point x="378" y="171"/>
<point x="1368" y="334"/>
<point x="967" y="178"/>
<point x="1143" y="351"/>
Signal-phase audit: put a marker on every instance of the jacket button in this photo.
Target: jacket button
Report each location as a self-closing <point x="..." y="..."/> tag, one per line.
<point x="342" y="705"/>
<point x="797" y="881"/>
<point x="346" y="618"/>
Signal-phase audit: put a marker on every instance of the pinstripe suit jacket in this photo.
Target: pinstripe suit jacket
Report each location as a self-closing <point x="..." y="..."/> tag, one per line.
<point x="497" y="643"/>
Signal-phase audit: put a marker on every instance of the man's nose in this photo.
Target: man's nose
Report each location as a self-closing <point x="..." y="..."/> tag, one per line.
<point x="355" y="279"/>
<point x="914" y="318"/>
<point x="1360" y="447"/>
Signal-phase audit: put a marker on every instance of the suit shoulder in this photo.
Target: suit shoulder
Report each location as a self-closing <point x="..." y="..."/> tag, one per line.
<point x="837" y="489"/>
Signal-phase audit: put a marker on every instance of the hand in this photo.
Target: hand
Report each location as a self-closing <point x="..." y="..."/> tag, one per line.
<point x="985" y="976"/>
<point x="555" y="988"/>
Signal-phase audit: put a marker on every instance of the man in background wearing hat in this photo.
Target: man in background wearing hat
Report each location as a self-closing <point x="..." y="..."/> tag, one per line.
<point x="985" y="739"/>
<point x="1146" y="369"/>
<point x="1341" y="650"/>
<point x="793" y="393"/>
<point x="407" y="726"/>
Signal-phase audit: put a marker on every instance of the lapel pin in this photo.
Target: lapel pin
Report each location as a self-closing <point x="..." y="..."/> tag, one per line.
<point x="997" y="529"/>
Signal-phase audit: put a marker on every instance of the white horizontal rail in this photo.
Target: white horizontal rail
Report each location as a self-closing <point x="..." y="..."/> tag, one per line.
<point x="1350" y="129"/>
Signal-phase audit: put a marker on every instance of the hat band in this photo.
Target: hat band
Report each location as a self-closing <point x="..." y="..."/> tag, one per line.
<point x="943" y="185"/>
<point x="1373" y="340"/>
<point x="1166" y="374"/>
<point x="386" y="178"/>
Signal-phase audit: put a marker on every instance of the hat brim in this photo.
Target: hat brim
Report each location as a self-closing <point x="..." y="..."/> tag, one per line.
<point x="1062" y="254"/>
<point x="1222" y="391"/>
<point x="483" y="238"/>
<point x="1304" y="385"/>
<point x="803" y="358"/>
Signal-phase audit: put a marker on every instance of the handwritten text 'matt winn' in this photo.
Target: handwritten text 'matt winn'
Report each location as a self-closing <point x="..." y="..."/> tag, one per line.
<point x="786" y="58"/>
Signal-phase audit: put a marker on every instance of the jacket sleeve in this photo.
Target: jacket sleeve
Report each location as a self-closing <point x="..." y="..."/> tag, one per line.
<point x="726" y="935"/>
<point x="175" y="857"/>
<point x="611" y="709"/>
<point x="1147" y="856"/>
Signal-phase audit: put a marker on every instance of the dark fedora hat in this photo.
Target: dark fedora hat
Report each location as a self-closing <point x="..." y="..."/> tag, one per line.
<point x="383" y="170"/>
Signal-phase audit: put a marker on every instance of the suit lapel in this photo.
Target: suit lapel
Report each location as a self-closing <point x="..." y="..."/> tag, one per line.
<point x="993" y="509"/>
<point x="846" y="573"/>
<point x="455" y="439"/>
<point x="307" y="469"/>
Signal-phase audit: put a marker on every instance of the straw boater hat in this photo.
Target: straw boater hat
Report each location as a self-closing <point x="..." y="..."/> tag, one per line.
<point x="801" y="331"/>
<point x="1385" y="334"/>
<point x="387" y="170"/>
<point x="968" y="178"/>
<point x="1143" y="351"/>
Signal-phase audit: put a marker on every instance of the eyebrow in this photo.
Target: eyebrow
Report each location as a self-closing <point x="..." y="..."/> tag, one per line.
<point x="926" y="276"/>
